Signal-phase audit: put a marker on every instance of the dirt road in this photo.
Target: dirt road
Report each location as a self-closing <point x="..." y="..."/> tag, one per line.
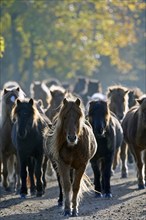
<point x="127" y="203"/>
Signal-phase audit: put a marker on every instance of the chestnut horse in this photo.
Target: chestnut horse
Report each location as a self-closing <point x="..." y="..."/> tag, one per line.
<point x="134" y="128"/>
<point x="72" y="144"/>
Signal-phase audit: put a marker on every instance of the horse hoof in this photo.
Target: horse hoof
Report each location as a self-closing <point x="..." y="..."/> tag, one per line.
<point x="124" y="175"/>
<point x="98" y="195"/>
<point x="8" y="189"/>
<point x="33" y="193"/>
<point x="60" y="203"/>
<point x="141" y="186"/>
<point x="74" y="213"/>
<point x="39" y="194"/>
<point x="112" y="172"/>
<point x="23" y="196"/>
<point x="107" y="196"/>
<point x="67" y="213"/>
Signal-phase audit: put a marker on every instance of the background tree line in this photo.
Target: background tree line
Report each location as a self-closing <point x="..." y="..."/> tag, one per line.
<point x="67" y="38"/>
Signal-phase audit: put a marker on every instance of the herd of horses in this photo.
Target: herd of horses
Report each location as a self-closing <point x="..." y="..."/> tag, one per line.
<point x="70" y="128"/>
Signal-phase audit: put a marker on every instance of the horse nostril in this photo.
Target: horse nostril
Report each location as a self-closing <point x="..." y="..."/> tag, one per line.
<point x="71" y="138"/>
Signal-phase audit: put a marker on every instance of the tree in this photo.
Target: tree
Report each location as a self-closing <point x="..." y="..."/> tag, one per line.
<point x="66" y="37"/>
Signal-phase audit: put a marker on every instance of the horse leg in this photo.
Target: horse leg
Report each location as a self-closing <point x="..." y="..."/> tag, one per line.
<point x="123" y="156"/>
<point x="76" y="187"/>
<point x="23" y="175"/>
<point x="139" y="165"/>
<point x="64" y="173"/>
<point x="144" y="159"/>
<point x="116" y="158"/>
<point x="17" y="175"/>
<point x="106" y="175"/>
<point x="60" y="200"/>
<point x="96" y="171"/>
<point x="11" y="171"/>
<point x="45" y="161"/>
<point x="38" y="174"/>
<point x="0" y="173"/>
<point x="5" y="172"/>
<point x="31" y="164"/>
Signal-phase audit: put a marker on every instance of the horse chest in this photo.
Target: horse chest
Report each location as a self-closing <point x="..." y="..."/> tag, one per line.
<point x="105" y="146"/>
<point x="72" y="157"/>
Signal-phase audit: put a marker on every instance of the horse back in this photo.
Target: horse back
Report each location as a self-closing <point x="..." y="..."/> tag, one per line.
<point x="129" y="125"/>
<point x="117" y="130"/>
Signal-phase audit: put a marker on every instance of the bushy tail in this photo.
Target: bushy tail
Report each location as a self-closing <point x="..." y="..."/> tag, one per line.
<point x="86" y="186"/>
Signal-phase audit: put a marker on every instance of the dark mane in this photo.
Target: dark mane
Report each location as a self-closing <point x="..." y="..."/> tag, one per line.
<point x="36" y="115"/>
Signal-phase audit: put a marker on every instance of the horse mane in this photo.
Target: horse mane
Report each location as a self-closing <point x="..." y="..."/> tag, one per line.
<point x="116" y="88"/>
<point x="5" y="93"/>
<point x="141" y="103"/>
<point x="10" y="84"/>
<point x="57" y="88"/>
<point x="106" y="103"/>
<point x="57" y="137"/>
<point x="37" y="116"/>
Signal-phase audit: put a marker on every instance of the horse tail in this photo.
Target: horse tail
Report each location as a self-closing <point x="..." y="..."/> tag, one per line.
<point x="11" y="166"/>
<point x="86" y="186"/>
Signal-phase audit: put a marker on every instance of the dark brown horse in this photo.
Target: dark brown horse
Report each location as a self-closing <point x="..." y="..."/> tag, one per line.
<point x="7" y="150"/>
<point x="134" y="128"/>
<point x="109" y="136"/>
<point x="27" y="136"/>
<point x="72" y="145"/>
<point x="118" y="99"/>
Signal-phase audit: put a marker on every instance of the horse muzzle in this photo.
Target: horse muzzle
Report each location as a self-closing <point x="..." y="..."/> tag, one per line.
<point x="72" y="140"/>
<point x="22" y="134"/>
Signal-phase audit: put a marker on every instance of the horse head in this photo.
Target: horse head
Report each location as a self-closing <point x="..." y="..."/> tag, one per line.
<point x="99" y="117"/>
<point x="23" y="114"/>
<point x="71" y="114"/>
<point x="118" y="100"/>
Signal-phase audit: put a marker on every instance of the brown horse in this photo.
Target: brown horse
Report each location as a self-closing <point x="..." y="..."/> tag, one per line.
<point x="57" y="95"/>
<point x="39" y="90"/>
<point x="134" y="128"/>
<point x="72" y="145"/>
<point x="118" y="100"/>
<point x="119" y="104"/>
<point x="7" y="150"/>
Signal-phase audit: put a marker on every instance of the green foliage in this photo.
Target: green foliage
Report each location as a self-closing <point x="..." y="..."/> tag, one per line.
<point x="2" y="46"/>
<point x="67" y="37"/>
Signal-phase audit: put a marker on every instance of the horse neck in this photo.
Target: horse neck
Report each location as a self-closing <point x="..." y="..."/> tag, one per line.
<point x="140" y="128"/>
<point x="5" y="114"/>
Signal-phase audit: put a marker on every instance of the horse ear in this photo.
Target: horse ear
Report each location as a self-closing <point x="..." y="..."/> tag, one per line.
<point x="18" y="101"/>
<point x="31" y="101"/>
<point x="64" y="101"/>
<point x="140" y="100"/>
<point x="18" y="89"/>
<point x="5" y="91"/>
<point x="126" y="91"/>
<point x="78" y="101"/>
<point x="40" y="102"/>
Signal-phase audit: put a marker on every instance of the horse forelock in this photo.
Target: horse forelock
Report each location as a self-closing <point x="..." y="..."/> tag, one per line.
<point x="57" y="131"/>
